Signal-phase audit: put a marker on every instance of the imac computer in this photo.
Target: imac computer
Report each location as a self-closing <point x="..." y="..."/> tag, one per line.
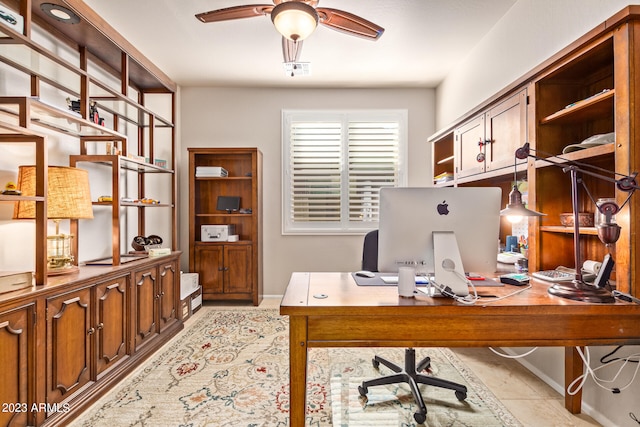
<point x="463" y="222"/>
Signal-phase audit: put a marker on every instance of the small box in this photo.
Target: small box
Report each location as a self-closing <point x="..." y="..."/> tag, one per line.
<point x="11" y="19"/>
<point x="188" y="284"/>
<point x="216" y="233"/>
<point x="196" y="300"/>
<point x="12" y="281"/>
<point x="191" y="304"/>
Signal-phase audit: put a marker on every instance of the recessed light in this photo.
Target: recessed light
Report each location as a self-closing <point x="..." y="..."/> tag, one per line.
<point x="60" y="13"/>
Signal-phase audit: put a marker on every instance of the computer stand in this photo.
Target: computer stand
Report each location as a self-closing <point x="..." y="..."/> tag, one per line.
<point x="412" y="376"/>
<point x="447" y="263"/>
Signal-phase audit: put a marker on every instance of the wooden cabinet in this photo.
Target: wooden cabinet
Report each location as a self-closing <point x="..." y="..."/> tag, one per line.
<point x="112" y="323"/>
<point x="86" y="335"/>
<point x="17" y="360"/>
<point x="66" y="343"/>
<point x="487" y="141"/>
<point x="225" y="269"/>
<point x="69" y="333"/>
<point x="590" y="88"/>
<point x="155" y="301"/>
<point x="229" y="270"/>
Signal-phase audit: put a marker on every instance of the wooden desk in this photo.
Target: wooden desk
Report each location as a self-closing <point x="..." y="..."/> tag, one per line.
<point x="375" y="316"/>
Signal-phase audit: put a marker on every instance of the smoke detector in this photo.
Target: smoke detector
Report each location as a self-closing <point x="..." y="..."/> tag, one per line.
<point x="297" y="68"/>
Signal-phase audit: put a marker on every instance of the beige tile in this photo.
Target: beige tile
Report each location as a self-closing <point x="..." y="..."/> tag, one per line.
<point x="547" y="413"/>
<point x="528" y="398"/>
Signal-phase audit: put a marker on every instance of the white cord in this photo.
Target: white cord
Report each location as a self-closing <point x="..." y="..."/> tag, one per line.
<point x="513" y="356"/>
<point x="578" y="383"/>
<point x="522" y="289"/>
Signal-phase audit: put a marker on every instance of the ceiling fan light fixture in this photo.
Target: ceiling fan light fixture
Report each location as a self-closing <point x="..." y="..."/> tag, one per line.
<point x="295" y="20"/>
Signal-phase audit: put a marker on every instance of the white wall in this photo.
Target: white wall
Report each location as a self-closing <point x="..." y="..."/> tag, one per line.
<point x="531" y="32"/>
<point x="221" y="117"/>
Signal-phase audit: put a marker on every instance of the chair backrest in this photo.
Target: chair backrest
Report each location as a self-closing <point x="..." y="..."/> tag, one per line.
<point x="370" y="251"/>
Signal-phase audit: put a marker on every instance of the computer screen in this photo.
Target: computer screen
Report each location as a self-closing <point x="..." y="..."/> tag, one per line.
<point x="410" y="215"/>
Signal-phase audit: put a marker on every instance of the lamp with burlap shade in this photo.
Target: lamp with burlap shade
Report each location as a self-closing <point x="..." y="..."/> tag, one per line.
<point x="68" y="197"/>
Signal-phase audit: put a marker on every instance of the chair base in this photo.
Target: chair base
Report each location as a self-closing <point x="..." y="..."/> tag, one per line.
<point x="412" y="376"/>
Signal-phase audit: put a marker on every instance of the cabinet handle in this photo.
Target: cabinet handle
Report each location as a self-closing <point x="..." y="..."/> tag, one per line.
<point x="220" y="268"/>
<point x="488" y="141"/>
<point x="91" y="331"/>
<point x="100" y="326"/>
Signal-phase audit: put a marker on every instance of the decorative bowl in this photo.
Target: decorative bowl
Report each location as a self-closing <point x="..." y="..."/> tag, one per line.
<point x="585" y="219"/>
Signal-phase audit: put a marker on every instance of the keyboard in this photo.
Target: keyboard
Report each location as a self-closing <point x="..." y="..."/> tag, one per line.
<point x="553" y="275"/>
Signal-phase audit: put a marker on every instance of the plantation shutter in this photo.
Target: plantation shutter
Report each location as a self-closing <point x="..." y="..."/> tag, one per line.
<point x="335" y="164"/>
<point x="316" y="164"/>
<point x="373" y="164"/>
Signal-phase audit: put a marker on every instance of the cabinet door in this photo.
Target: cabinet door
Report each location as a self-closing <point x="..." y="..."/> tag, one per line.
<point x="470" y="148"/>
<point x="237" y="270"/>
<point x="146" y="296"/>
<point x="167" y="292"/>
<point x="111" y="322"/>
<point x="69" y="335"/>
<point x="506" y="125"/>
<point x="210" y="266"/>
<point x="15" y="336"/>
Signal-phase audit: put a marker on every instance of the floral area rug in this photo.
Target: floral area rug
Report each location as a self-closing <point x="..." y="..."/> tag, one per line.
<point x="230" y="367"/>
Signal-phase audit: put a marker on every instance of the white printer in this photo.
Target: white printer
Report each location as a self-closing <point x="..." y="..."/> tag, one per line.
<point x="216" y="233"/>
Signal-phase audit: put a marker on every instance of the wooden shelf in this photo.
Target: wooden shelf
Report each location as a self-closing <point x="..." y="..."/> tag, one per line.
<point x="596" y="106"/>
<point x="591" y="231"/>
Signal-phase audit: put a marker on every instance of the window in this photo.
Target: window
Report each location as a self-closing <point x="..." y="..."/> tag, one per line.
<point x="334" y="166"/>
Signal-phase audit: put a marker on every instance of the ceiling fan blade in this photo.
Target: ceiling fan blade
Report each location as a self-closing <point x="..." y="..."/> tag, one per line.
<point x="235" y="12"/>
<point x="291" y="49"/>
<point x="349" y="23"/>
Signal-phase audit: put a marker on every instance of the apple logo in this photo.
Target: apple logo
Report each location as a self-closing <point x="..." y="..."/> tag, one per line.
<point x="443" y="208"/>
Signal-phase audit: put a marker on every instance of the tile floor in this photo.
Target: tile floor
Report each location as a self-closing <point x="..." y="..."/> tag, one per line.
<point x="528" y="398"/>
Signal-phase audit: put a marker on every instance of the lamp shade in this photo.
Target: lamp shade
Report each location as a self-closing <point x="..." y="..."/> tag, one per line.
<point x="515" y="207"/>
<point x="68" y="193"/>
<point x="294" y="20"/>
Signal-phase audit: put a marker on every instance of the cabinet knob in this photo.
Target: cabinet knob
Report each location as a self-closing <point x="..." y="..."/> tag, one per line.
<point x="100" y="326"/>
<point x="91" y="331"/>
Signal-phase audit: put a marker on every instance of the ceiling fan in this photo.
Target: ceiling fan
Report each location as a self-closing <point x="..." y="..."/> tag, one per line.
<point x="296" y="20"/>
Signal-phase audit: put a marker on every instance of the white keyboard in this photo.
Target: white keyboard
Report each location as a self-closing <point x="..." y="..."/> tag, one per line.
<point x="553" y="275"/>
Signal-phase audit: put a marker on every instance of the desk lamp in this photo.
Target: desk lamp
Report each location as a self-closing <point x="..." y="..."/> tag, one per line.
<point x="608" y="230"/>
<point x="68" y="197"/>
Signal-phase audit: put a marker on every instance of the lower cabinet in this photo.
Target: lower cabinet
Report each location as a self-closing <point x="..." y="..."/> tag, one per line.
<point x="155" y="301"/>
<point x="225" y="271"/>
<point x="16" y="360"/>
<point x="64" y="345"/>
<point x="86" y="335"/>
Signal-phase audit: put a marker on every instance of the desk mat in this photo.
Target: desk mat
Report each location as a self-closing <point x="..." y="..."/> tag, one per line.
<point x="377" y="281"/>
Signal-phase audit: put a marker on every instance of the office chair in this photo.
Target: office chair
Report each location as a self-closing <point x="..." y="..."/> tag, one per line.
<point x="411" y="372"/>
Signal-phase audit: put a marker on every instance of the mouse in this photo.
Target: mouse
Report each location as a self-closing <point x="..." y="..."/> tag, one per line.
<point x="364" y="273"/>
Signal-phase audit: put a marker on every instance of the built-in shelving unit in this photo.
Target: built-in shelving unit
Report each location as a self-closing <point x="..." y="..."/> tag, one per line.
<point x="70" y="338"/>
<point x="590" y="88"/>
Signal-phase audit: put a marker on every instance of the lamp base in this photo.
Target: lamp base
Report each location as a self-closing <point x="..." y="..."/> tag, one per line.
<point x="62" y="270"/>
<point x="581" y="291"/>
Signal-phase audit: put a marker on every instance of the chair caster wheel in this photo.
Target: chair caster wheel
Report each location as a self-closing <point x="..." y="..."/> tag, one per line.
<point x="363" y="391"/>
<point x="375" y="363"/>
<point x="420" y="417"/>
<point x="461" y="395"/>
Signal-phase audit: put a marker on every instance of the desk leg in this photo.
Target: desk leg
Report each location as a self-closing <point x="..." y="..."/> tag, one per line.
<point x="573" y="368"/>
<point x="298" y="369"/>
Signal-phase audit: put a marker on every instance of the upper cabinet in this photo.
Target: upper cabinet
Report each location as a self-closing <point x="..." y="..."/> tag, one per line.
<point x="85" y="87"/>
<point x="588" y="90"/>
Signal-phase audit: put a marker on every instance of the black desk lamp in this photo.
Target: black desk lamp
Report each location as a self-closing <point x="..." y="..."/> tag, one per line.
<point x="608" y="232"/>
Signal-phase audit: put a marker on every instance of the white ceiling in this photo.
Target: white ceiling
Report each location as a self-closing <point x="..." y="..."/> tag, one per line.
<point x="423" y="40"/>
